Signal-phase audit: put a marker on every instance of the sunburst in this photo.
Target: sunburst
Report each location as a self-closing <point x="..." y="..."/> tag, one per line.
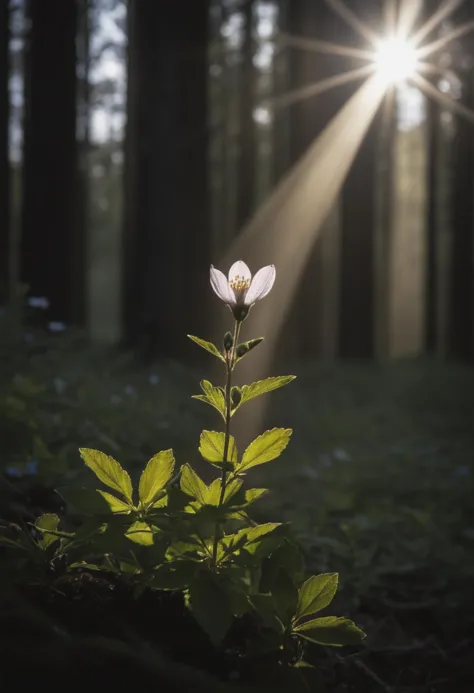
<point x="397" y="55"/>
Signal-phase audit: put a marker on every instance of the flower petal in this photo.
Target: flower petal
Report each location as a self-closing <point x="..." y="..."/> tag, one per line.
<point x="241" y="269"/>
<point x="221" y="286"/>
<point x="261" y="284"/>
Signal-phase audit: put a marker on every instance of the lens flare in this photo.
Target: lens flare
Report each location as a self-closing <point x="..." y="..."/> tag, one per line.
<point x="396" y="60"/>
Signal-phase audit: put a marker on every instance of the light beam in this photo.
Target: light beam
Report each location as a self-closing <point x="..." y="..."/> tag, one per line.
<point x="283" y="231"/>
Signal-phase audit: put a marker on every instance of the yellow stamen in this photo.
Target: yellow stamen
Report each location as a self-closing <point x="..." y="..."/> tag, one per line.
<point x="239" y="283"/>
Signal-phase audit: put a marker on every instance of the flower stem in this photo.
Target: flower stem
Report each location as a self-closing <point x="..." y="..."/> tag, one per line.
<point x="228" y="412"/>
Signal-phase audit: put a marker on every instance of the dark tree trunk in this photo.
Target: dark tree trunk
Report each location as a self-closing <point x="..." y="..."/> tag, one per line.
<point x="248" y="139"/>
<point x="460" y="333"/>
<point x="49" y="244"/>
<point x="167" y="235"/>
<point x="432" y="236"/>
<point x="359" y="210"/>
<point x="461" y="304"/>
<point x="4" y="158"/>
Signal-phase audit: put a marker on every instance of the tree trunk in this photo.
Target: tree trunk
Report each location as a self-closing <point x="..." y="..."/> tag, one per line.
<point x="248" y="135"/>
<point x="460" y="333"/>
<point x="167" y="235"/>
<point x="49" y="244"/>
<point x="4" y="157"/>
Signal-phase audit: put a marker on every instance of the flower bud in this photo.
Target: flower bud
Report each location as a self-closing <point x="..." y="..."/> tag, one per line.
<point x="242" y="349"/>
<point x="228" y="341"/>
<point x="236" y="396"/>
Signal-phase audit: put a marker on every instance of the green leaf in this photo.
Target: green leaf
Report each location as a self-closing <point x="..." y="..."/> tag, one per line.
<point x="265" y="608"/>
<point x="261" y="387"/>
<point x="117" y="506"/>
<point x="330" y="630"/>
<point x="192" y="485"/>
<point x="210" y="607"/>
<point x="316" y="594"/>
<point x="85" y="501"/>
<point x="108" y="471"/>
<point x="47" y="522"/>
<point x="155" y="476"/>
<point x="208" y="346"/>
<point x="211" y="447"/>
<point x="285" y="596"/>
<point x="231" y="490"/>
<point x="265" y="448"/>
<point x="175" y="575"/>
<point x="214" y="396"/>
<point x="140" y="533"/>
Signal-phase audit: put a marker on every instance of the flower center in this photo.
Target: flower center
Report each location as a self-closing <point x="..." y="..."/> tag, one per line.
<point x="239" y="284"/>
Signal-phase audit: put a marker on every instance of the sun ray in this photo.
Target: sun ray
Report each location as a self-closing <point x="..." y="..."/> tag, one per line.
<point x="409" y="12"/>
<point x="390" y="16"/>
<point x="446" y="9"/>
<point x="353" y="21"/>
<point x="440" y="43"/>
<point x="319" y="87"/>
<point x="284" y="229"/>
<point x="324" y="47"/>
<point x="442" y="99"/>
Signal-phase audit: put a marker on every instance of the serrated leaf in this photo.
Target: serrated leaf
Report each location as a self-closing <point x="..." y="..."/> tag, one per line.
<point x="140" y="533"/>
<point x="212" y="445"/>
<point x="192" y="485"/>
<point x="210" y="607"/>
<point x="331" y="630"/>
<point x="208" y="346"/>
<point x="261" y="387"/>
<point x="316" y="594"/>
<point x="231" y="490"/>
<point x="155" y="476"/>
<point x="50" y="523"/>
<point x="115" y="505"/>
<point x="213" y="396"/>
<point x="265" y="448"/>
<point x="108" y="471"/>
<point x="213" y="493"/>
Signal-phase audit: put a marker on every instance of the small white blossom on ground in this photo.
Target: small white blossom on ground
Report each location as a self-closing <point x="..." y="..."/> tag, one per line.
<point x="239" y="291"/>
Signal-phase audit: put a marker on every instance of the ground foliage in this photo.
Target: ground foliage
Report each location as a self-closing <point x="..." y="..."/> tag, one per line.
<point x="378" y="486"/>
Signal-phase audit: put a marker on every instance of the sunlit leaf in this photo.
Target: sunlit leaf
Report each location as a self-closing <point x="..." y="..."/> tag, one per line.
<point x="261" y="387"/>
<point x="212" y="445"/>
<point x="213" y="396"/>
<point x="208" y="346"/>
<point x="330" y="630"/>
<point x="47" y="523"/>
<point x="265" y="448"/>
<point x="116" y="505"/>
<point x="155" y="476"/>
<point x="108" y="471"/>
<point x="316" y="594"/>
<point x="140" y="533"/>
<point x="192" y="485"/>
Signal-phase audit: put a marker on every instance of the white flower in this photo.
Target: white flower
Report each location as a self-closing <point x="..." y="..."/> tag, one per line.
<point x="240" y="291"/>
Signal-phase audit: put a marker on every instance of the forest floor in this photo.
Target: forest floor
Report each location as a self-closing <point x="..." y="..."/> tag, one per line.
<point x="378" y="483"/>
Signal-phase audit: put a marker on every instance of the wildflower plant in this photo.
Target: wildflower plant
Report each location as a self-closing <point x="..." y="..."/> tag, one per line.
<point x="173" y="532"/>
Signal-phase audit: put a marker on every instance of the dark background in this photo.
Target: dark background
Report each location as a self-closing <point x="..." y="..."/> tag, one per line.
<point x="136" y="141"/>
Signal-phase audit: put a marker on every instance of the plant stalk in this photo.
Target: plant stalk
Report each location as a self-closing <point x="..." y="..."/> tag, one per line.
<point x="228" y="412"/>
